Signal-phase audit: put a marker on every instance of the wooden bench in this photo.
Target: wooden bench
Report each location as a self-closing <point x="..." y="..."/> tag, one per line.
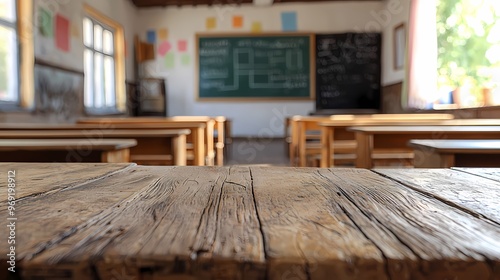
<point x="396" y="138"/>
<point x="116" y="221"/>
<point x="154" y="146"/>
<point x="462" y="153"/>
<point x="66" y="150"/>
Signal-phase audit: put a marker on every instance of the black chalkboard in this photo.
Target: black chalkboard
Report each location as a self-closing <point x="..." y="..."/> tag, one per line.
<point x="348" y="71"/>
<point x="255" y="66"/>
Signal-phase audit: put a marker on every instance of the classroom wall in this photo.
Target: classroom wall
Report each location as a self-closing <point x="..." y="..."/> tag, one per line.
<point x="395" y="12"/>
<point x="46" y="49"/>
<point x="263" y="118"/>
<point x="122" y="11"/>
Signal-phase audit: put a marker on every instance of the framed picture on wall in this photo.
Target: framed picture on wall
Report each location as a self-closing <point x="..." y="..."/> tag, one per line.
<point x="399" y="46"/>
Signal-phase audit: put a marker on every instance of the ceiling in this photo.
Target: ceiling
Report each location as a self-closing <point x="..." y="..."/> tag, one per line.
<point x="163" y="3"/>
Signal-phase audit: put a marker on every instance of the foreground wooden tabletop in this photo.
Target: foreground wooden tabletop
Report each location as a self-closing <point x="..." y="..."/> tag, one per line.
<point x="119" y="221"/>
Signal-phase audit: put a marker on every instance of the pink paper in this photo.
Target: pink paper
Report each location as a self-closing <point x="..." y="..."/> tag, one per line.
<point x="62" y="33"/>
<point x="164" y="48"/>
<point x="182" y="45"/>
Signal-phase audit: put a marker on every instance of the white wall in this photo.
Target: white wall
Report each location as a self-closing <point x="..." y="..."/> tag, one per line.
<point x="249" y="118"/>
<point x="395" y="13"/>
<point x="122" y="11"/>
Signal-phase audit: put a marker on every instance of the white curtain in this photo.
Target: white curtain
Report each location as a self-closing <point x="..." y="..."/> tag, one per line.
<point x="420" y="86"/>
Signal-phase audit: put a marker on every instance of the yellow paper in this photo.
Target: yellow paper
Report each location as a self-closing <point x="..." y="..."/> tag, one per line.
<point x="74" y="31"/>
<point x="256" y="26"/>
<point x="211" y="23"/>
<point x="163" y="34"/>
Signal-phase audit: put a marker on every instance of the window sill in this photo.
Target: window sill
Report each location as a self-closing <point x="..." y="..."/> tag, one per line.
<point x="103" y="112"/>
<point x="13" y="108"/>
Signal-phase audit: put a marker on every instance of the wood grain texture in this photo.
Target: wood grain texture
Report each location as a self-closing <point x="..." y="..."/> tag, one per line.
<point x="189" y="222"/>
<point x="147" y="222"/>
<point x="35" y="179"/>
<point x="448" y="242"/>
<point x="490" y="173"/>
<point x="49" y="220"/>
<point x="454" y="188"/>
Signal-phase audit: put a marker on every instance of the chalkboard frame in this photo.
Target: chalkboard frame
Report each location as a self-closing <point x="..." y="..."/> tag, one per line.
<point x="312" y="66"/>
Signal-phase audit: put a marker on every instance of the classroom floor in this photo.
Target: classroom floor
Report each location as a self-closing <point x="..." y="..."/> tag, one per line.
<point x="250" y="151"/>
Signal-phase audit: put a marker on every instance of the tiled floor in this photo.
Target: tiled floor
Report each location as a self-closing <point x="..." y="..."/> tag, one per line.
<point x="262" y="151"/>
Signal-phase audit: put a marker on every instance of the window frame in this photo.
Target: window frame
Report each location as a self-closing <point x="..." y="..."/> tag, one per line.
<point x="12" y="105"/>
<point x="119" y="60"/>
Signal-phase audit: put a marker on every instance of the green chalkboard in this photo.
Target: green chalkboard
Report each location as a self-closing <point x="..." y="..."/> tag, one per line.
<point x="271" y="66"/>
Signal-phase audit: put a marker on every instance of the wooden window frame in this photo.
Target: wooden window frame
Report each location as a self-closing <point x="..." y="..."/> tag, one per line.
<point x="26" y="54"/>
<point x="119" y="56"/>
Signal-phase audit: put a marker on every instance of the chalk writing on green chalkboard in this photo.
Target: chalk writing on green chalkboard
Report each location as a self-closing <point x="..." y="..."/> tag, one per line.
<point x="254" y="66"/>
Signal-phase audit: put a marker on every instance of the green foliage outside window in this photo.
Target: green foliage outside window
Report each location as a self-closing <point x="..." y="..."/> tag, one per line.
<point x="468" y="45"/>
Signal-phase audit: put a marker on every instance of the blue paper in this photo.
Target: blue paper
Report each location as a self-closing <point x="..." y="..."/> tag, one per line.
<point x="152" y="36"/>
<point x="289" y="21"/>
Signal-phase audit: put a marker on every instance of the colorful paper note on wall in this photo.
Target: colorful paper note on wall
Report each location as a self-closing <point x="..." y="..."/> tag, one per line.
<point x="163" y="34"/>
<point x="164" y="48"/>
<point x="182" y="45"/>
<point x="185" y="59"/>
<point x="170" y="61"/>
<point x="151" y="36"/>
<point x="211" y="23"/>
<point x="45" y="24"/>
<point x="257" y="27"/>
<point x="289" y="21"/>
<point x="237" y="21"/>
<point x="62" y="33"/>
<point x="75" y="32"/>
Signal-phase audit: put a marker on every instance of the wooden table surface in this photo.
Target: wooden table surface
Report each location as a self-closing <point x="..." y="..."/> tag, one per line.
<point x="448" y="153"/>
<point x="369" y="138"/>
<point x="150" y="142"/>
<point x="330" y="129"/>
<point x="117" y="221"/>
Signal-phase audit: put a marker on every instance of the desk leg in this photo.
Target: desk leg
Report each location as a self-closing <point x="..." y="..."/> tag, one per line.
<point x="210" y="157"/>
<point x="426" y="158"/>
<point x="325" y="148"/>
<point x="179" y="147"/>
<point x="198" y="146"/>
<point x="220" y="143"/>
<point x="364" y="150"/>
<point x="302" y="144"/>
<point x="293" y="143"/>
<point x="116" y="156"/>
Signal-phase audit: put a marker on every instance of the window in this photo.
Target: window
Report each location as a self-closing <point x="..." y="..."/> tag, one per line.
<point x="465" y="38"/>
<point x="9" y="57"/>
<point x="103" y="63"/>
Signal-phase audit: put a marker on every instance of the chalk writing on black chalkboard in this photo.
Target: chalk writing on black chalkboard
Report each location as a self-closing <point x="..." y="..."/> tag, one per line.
<point x="348" y="71"/>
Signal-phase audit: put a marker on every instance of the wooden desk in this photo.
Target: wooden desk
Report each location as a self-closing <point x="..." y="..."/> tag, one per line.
<point x="369" y="138"/>
<point x="449" y="153"/>
<point x="64" y="150"/>
<point x="210" y="124"/>
<point x="154" y="146"/>
<point x="79" y="221"/>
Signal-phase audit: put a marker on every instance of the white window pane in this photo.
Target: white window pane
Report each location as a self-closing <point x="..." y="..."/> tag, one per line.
<point x="108" y="42"/>
<point x="8" y="65"/>
<point x="88" y="58"/>
<point x="8" y="10"/>
<point x="97" y="37"/>
<point x="88" y="32"/>
<point x="109" y="81"/>
<point x="98" y="81"/>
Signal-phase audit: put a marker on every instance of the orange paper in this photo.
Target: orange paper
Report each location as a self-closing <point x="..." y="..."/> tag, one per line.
<point x="237" y="21"/>
<point x="211" y="23"/>
<point x="163" y="34"/>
